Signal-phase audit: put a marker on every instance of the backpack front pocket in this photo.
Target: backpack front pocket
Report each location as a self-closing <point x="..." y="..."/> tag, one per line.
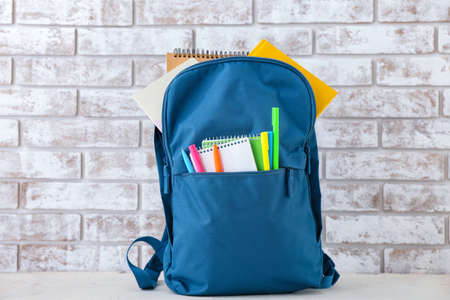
<point x="241" y="233"/>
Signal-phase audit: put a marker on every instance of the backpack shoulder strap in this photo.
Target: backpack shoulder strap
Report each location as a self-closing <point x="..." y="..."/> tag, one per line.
<point x="147" y="277"/>
<point x="330" y="275"/>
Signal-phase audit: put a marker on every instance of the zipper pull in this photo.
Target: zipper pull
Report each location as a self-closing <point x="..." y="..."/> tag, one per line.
<point x="308" y="160"/>
<point x="166" y="178"/>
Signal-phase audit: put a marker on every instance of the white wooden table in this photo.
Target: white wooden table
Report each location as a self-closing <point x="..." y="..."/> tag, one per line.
<point x="90" y="285"/>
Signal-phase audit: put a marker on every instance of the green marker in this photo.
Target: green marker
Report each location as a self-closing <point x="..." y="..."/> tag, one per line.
<point x="276" y="136"/>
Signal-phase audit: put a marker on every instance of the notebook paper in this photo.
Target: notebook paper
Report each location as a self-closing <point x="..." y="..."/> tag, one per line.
<point x="151" y="98"/>
<point x="236" y="156"/>
<point x="255" y="143"/>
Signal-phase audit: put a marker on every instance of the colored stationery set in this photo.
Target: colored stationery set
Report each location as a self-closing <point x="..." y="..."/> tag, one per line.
<point x="236" y="154"/>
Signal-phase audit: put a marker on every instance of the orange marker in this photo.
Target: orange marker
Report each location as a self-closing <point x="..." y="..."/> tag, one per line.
<point x="217" y="162"/>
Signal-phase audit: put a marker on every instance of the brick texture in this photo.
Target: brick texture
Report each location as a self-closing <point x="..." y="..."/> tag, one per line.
<point x="82" y="12"/>
<point x="313" y="11"/>
<point x="130" y="41"/>
<point x="417" y="197"/>
<point x="148" y="69"/>
<point x="39" y="227"/>
<point x="446" y="102"/>
<point x="73" y="258"/>
<point x="5" y="74"/>
<point x="82" y="133"/>
<point x="38" y="102"/>
<point x="413" y="10"/>
<point x="37" y="40"/>
<point x="402" y="165"/>
<point x="147" y="133"/>
<point x="38" y="164"/>
<point x="121" y="165"/>
<point x="122" y="227"/>
<point x="151" y="197"/>
<point x="363" y="260"/>
<point x="8" y="253"/>
<point x="384" y="102"/>
<point x="109" y="103"/>
<point x="340" y="71"/>
<point x="444" y="38"/>
<point x="78" y="174"/>
<point x="365" y="40"/>
<point x="9" y="136"/>
<point x="9" y="195"/>
<point x="414" y="71"/>
<point x="417" y="260"/>
<point x="74" y="71"/>
<point x="416" y="134"/>
<point x="54" y="195"/>
<point x="6" y="11"/>
<point x="343" y="134"/>
<point x="291" y="41"/>
<point x="151" y="12"/>
<point x="385" y="229"/>
<point x="350" y="196"/>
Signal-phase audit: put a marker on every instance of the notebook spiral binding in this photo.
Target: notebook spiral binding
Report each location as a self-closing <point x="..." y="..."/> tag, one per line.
<point x="232" y="137"/>
<point x="231" y="140"/>
<point x="202" y="53"/>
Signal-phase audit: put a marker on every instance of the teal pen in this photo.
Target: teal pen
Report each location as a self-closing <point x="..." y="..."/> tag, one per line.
<point x="187" y="161"/>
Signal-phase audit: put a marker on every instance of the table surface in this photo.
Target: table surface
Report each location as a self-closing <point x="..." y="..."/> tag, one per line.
<point x="105" y="285"/>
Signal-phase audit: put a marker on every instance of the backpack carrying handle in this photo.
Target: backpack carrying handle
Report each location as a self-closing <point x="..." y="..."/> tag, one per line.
<point x="147" y="277"/>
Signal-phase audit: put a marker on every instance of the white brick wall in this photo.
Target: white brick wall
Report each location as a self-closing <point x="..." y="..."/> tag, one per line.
<point x="118" y="41"/>
<point x="5" y="74"/>
<point x="80" y="71"/>
<point x="413" y="10"/>
<point x="78" y="179"/>
<point x="413" y="71"/>
<point x="81" y="12"/>
<point x="366" y="40"/>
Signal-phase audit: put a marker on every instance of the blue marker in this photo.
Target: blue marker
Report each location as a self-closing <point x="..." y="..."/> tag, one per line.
<point x="270" y="135"/>
<point x="187" y="161"/>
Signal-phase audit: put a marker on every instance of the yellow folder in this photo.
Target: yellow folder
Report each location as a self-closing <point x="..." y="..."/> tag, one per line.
<point x="322" y="92"/>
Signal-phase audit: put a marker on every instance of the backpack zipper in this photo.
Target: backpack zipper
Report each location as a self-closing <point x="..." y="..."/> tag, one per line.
<point x="166" y="176"/>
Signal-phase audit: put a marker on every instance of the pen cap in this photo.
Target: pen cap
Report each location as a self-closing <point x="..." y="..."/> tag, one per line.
<point x="192" y="148"/>
<point x="275" y="113"/>
<point x="265" y="141"/>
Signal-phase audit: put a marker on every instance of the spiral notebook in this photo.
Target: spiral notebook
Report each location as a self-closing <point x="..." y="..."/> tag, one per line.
<point x="179" y="56"/>
<point x="255" y="143"/>
<point x="236" y="156"/>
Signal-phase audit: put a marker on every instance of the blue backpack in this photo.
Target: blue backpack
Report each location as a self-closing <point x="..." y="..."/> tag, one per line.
<point x="239" y="232"/>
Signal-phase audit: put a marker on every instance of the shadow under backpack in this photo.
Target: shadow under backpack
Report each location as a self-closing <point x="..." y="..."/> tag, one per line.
<point x="238" y="232"/>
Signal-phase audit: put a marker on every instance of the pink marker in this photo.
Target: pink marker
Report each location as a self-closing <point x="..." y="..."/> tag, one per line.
<point x="196" y="159"/>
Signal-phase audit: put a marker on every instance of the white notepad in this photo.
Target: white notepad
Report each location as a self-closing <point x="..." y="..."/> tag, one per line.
<point x="236" y="156"/>
<point x="151" y="98"/>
